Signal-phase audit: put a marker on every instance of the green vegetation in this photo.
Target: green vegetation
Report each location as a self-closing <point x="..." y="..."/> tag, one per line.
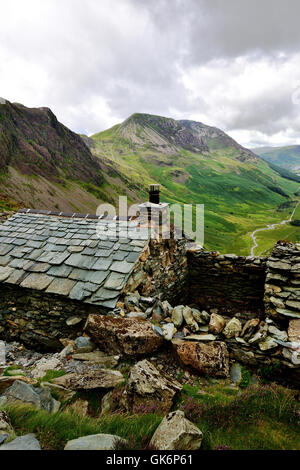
<point x="51" y="375"/>
<point x="239" y="195"/>
<point x="259" y="417"/>
<point x="284" y="157"/>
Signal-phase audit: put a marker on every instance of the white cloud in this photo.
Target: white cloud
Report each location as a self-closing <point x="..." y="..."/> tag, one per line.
<point x="232" y="64"/>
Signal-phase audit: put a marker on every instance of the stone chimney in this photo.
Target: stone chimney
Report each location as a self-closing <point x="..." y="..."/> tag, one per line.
<point x="154" y="212"/>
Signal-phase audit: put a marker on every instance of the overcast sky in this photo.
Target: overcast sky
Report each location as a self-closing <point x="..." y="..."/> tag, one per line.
<point x="234" y="64"/>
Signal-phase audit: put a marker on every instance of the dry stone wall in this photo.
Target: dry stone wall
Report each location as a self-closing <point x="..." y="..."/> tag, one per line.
<point x="228" y="283"/>
<point x="282" y="290"/>
<point x="38" y="319"/>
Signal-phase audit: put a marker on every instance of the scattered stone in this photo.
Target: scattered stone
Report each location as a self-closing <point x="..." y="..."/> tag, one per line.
<point x="277" y="334"/>
<point x="125" y="336"/>
<point x="201" y="337"/>
<point x="177" y="316"/>
<point x="84" y="344"/>
<point x="98" y="357"/>
<point x="211" y="359"/>
<point x="109" y="404"/>
<point x="28" y="442"/>
<point x="73" y="321"/>
<point x="96" y="442"/>
<point x="169" y="331"/>
<point x="40" y="398"/>
<point x="6" y="382"/>
<point x="149" y="389"/>
<point x="267" y="343"/>
<point x="232" y="329"/>
<point x="45" y="364"/>
<point x="250" y="328"/>
<point x="177" y="433"/>
<point x="203" y="318"/>
<point x="189" y="319"/>
<point x="94" y="379"/>
<point x="216" y="324"/>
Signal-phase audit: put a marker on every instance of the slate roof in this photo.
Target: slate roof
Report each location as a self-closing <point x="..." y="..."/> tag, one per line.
<point x="81" y="257"/>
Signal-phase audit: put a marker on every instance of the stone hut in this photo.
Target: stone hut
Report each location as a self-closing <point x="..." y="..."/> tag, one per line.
<point x="57" y="268"/>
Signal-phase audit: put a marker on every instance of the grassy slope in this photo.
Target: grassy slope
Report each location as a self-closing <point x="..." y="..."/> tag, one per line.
<point x="260" y="417"/>
<point x="235" y="194"/>
<point x="287" y="157"/>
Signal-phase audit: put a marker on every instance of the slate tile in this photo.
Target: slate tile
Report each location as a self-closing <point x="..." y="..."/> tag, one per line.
<point x="37" y="281"/>
<point x="18" y="263"/>
<point x="17" y="276"/>
<point x="104" y="294"/>
<point x="52" y="247"/>
<point x="60" y="271"/>
<point x="80" y="261"/>
<point x="79" y="292"/>
<point x="20" y="252"/>
<point x="53" y="258"/>
<point x="89" y="251"/>
<point x="61" y="286"/>
<point x="36" y="267"/>
<point x="120" y="255"/>
<point x="5" y="272"/>
<point x="121" y="267"/>
<point x="103" y="253"/>
<point x="115" y="281"/>
<point x="97" y="277"/>
<point x="35" y="244"/>
<point x="75" y="249"/>
<point x="20" y="242"/>
<point x="133" y="257"/>
<point x="102" y="264"/>
<point x="34" y="254"/>
<point x="4" y="249"/>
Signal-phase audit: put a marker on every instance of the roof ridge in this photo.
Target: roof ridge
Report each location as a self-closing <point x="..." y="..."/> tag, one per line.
<point x="73" y="215"/>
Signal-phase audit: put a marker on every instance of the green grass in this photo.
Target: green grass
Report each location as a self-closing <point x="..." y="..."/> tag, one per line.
<point x="259" y="417"/>
<point x="238" y="197"/>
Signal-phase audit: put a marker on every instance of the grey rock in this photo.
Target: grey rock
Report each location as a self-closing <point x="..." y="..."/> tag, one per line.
<point x="236" y="373"/>
<point x="28" y="442"/>
<point x="177" y="433"/>
<point x="96" y="442"/>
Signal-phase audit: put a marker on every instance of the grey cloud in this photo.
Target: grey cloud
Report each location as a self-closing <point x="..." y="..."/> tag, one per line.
<point x="131" y="53"/>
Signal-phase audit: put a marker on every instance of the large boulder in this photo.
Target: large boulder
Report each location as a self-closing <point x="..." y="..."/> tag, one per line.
<point x="131" y="337"/>
<point x="28" y="442"/>
<point x="40" y="398"/>
<point x="6" y="382"/>
<point x="211" y="359"/>
<point x="149" y="390"/>
<point x="96" y="442"/>
<point x="90" y="380"/>
<point x="177" y="433"/>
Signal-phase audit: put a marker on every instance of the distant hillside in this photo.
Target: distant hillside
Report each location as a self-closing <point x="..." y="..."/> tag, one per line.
<point x="286" y="157"/>
<point x="199" y="164"/>
<point x="216" y="139"/>
<point x="45" y="165"/>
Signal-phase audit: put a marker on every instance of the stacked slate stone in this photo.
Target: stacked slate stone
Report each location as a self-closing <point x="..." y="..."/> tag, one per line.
<point x="233" y="284"/>
<point x="282" y="290"/>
